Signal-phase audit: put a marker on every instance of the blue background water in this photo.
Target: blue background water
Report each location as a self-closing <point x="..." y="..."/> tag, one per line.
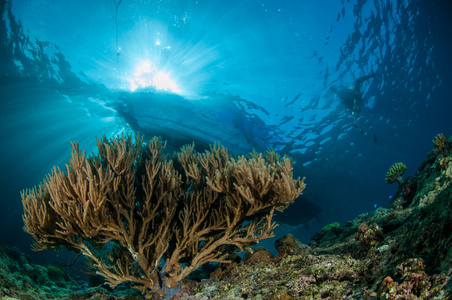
<point x="250" y="74"/>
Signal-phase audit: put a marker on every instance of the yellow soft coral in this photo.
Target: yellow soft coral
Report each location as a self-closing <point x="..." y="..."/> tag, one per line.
<point x="442" y="145"/>
<point x="395" y="173"/>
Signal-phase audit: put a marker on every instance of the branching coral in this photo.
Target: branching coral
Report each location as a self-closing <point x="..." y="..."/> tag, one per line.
<point x="442" y="145"/>
<point x="395" y="173"/>
<point x="129" y="208"/>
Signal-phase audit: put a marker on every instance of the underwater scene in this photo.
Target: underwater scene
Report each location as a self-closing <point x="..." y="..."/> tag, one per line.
<point x="205" y="149"/>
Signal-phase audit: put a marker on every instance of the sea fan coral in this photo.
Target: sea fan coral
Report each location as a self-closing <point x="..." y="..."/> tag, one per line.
<point x="395" y="173"/>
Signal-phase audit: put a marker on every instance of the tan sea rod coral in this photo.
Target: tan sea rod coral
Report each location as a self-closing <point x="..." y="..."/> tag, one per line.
<point x="139" y="216"/>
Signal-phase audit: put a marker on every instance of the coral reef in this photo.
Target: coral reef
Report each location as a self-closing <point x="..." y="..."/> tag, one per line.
<point x="21" y="279"/>
<point x="129" y="208"/>
<point x="395" y="173"/>
<point x="368" y="236"/>
<point x="400" y="252"/>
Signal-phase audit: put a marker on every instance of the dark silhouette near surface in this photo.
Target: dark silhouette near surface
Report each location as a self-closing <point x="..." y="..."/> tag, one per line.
<point x="352" y="99"/>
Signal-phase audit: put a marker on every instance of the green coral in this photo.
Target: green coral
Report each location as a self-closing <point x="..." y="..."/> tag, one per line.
<point x="55" y="273"/>
<point x="331" y="226"/>
<point x="395" y="173"/>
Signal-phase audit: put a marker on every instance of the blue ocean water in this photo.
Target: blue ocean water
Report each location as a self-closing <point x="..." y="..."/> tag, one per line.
<point x="249" y="74"/>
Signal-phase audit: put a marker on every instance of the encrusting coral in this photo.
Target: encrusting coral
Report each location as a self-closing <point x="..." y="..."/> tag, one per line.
<point x="395" y="173"/>
<point x="129" y="208"/>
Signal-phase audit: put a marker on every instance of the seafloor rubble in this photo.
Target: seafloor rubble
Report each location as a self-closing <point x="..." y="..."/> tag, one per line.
<point x="399" y="252"/>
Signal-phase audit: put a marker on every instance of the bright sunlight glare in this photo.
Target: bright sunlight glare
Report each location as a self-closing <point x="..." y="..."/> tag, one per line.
<point x="148" y="75"/>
